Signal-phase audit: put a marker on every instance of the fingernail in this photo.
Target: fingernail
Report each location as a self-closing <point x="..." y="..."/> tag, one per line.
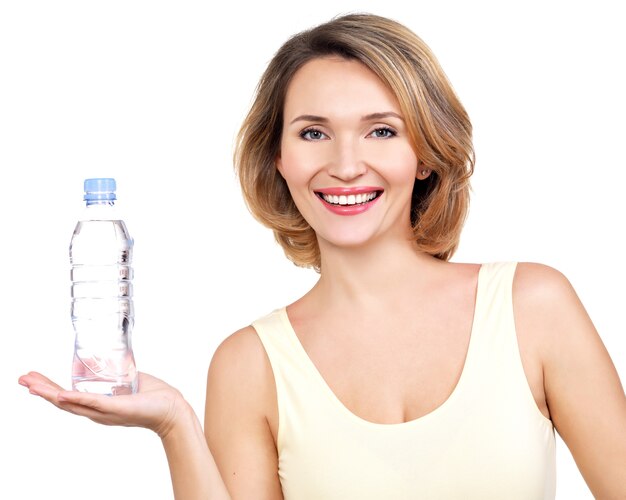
<point x="21" y="382"/>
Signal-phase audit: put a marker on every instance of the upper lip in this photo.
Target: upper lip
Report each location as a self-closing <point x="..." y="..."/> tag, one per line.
<point x="338" y="191"/>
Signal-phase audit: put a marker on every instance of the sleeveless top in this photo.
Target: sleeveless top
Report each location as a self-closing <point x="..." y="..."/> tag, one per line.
<point x="488" y="440"/>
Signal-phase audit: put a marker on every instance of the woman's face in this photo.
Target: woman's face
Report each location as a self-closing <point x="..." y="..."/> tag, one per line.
<point x="345" y="153"/>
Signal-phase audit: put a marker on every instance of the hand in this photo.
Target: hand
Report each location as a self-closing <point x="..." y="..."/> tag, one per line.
<point x="156" y="406"/>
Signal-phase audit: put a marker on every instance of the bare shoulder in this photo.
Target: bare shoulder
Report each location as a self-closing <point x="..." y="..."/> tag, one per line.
<point x="242" y="345"/>
<point x="543" y="300"/>
<point x="240" y="365"/>
<point x="551" y="311"/>
<point x="542" y="295"/>
<point x="550" y="317"/>
<point x="539" y="281"/>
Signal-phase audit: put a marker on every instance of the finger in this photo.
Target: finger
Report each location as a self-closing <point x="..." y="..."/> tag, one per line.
<point x="89" y="399"/>
<point x="37" y="378"/>
<point x="45" y="391"/>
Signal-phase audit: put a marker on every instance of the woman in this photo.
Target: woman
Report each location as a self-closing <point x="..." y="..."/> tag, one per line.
<point x="399" y="374"/>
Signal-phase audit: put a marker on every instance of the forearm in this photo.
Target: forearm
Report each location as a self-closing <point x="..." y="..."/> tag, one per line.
<point x="192" y="468"/>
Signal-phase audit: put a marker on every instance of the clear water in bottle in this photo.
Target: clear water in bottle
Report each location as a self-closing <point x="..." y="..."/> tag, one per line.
<point x="102" y="296"/>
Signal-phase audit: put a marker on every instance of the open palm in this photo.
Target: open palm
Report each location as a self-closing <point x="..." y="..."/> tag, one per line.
<point x="154" y="406"/>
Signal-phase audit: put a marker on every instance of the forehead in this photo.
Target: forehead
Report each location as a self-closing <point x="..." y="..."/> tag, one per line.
<point x="327" y="85"/>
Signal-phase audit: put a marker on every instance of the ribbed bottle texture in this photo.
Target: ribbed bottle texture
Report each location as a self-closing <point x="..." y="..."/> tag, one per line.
<point x="102" y="296"/>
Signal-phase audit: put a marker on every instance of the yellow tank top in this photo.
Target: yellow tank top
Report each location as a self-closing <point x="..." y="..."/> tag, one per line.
<point x="488" y="440"/>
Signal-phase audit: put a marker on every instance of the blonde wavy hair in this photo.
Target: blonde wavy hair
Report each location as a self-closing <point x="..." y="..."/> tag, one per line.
<point x="438" y="126"/>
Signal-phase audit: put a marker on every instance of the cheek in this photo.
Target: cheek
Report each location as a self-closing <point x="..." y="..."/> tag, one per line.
<point x="296" y="167"/>
<point x="399" y="165"/>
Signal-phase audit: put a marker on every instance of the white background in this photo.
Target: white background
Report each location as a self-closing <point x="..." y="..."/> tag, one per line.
<point x="152" y="93"/>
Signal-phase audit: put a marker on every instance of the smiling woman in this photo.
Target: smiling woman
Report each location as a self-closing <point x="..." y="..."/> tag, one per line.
<point x="357" y="154"/>
<point x="427" y="111"/>
<point x="400" y="374"/>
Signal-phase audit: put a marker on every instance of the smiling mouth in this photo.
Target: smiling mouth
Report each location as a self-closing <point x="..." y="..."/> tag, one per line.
<point x="349" y="199"/>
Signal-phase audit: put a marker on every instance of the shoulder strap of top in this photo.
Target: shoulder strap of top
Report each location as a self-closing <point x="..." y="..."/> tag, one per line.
<point x="495" y="348"/>
<point x="294" y="375"/>
<point x="493" y="314"/>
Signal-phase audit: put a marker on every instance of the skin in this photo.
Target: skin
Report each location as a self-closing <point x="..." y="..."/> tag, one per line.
<point x="368" y="362"/>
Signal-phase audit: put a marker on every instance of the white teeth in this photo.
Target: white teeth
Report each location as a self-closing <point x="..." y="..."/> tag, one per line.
<point x="350" y="199"/>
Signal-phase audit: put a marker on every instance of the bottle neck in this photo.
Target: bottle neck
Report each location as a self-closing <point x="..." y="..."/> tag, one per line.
<point x="99" y="210"/>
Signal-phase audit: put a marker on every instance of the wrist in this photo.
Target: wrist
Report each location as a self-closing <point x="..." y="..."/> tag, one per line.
<point x="181" y="419"/>
<point x="192" y="467"/>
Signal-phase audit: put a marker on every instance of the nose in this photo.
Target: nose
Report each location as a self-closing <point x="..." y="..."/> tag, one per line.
<point x="346" y="163"/>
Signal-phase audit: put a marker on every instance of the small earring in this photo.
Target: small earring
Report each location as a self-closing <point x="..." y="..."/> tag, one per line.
<point x="425" y="172"/>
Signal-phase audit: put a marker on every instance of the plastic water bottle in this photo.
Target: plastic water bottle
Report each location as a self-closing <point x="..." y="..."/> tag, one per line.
<point x="102" y="296"/>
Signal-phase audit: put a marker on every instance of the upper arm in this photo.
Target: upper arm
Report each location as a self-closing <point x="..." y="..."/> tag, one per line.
<point x="583" y="391"/>
<point x="240" y="392"/>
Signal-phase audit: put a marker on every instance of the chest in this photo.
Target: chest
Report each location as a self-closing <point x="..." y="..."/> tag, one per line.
<point x="391" y="368"/>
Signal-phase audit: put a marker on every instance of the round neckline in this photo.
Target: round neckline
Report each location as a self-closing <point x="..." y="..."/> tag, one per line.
<point x="295" y="340"/>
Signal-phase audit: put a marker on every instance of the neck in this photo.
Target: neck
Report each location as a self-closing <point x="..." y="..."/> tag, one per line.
<point x="388" y="272"/>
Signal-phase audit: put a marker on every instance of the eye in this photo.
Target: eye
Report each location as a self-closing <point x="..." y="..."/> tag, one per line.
<point x="383" y="133"/>
<point x="312" y="134"/>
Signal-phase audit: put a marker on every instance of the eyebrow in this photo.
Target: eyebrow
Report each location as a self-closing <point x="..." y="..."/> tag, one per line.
<point x="371" y="116"/>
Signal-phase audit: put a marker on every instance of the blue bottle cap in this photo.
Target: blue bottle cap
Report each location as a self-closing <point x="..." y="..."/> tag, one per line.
<point x="101" y="189"/>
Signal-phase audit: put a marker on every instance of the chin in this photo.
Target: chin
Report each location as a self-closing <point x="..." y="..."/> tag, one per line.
<point x="349" y="240"/>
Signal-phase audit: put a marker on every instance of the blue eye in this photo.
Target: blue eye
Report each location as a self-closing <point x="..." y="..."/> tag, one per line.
<point x="383" y="133"/>
<point x="312" y="134"/>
